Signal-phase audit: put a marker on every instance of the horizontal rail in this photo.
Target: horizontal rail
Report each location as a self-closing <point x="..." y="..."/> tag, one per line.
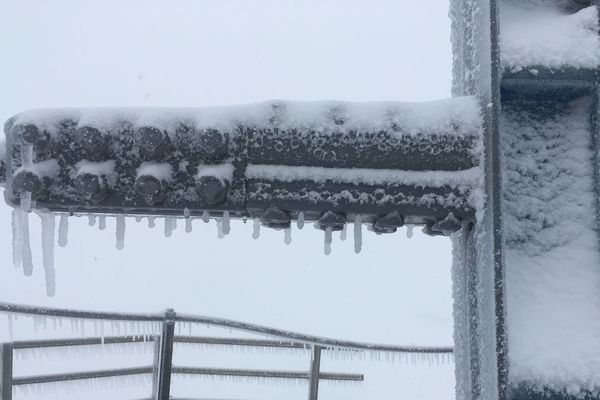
<point x="265" y="374"/>
<point x="311" y="339"/>
<point x="241" y="342"/>
<point x="37" y="344"/>
<point x="75" y="376"/>
<point x="67" y="313"/>
<point x="226" y="323"/>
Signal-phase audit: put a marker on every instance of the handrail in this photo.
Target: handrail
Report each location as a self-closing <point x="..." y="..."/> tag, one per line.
<point x="225" y="323"/>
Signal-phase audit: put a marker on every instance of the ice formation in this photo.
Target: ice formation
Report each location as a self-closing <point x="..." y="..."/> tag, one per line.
<point x="256" y="228"/>
<point x="328" y="238"/>
<point x="357" y="234"/>
<point x="63" y="230"/>
<point x="120" y="232"/>
<point x="48" y="228"/>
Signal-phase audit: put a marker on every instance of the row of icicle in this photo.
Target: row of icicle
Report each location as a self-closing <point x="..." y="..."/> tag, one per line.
<point x="22" y="248"/>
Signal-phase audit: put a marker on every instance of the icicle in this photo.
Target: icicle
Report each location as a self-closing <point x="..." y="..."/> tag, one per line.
<point x="138" y="218"/>
<point x="25" y="243"/>
<point x="168" y="226"/>
<point x="409" y="231"/>
<point x="102" y="222"/>
<point x="205" y="216"/>
<point x="151" y="222"/>
<point x="120" y="232"/>
<point x="256" y="228"/>
<point x="288" y="236"/>
<point x="63" y="230"/>
<point x="17" y="241"/>
<point x="48" y="226"/>
<point x="300" y="221"/>
<point x="226" y="223"/>
<point x="186" y="212"/>
<point x="328" y="240"/>
<point x="357" y="234"/>
<point x="91" y="220"/>
<point x="344" y="232"/>
<point x="220" y="233"/>
<point x="10" y="326"/>
<point x="188" y="224"/>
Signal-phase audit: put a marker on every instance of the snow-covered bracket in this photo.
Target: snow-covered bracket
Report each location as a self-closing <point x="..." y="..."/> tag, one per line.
<point x="386" y="163"/>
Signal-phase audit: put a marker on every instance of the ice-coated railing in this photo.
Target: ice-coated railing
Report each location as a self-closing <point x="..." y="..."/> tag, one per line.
<point x="164" y="340"/>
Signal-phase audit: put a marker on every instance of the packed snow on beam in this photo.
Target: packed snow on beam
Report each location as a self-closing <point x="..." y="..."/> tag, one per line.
<point x="549" y="44"/>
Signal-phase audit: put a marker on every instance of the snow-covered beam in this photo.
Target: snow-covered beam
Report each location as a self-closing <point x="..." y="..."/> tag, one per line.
<point x="417" y="160"/>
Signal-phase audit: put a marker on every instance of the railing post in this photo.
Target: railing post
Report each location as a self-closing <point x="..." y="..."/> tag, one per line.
<point x="6" y="371"/>
<point x="164" y="358"/>
<point x="315" y="371"/>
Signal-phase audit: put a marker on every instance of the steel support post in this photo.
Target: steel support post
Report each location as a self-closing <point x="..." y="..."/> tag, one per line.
<point x="315" y="371"/>
<point x="164" y="358"/>
<point x="6" y="371"/>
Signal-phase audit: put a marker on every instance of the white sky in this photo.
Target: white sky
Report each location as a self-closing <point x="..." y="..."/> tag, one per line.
<point x="201" y="53"/>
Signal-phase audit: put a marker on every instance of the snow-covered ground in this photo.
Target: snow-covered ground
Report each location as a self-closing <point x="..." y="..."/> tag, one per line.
<point x="205" y="53"/>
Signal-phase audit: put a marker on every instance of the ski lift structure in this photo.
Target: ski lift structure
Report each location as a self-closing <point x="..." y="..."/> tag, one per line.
<point x="460" y="167"/>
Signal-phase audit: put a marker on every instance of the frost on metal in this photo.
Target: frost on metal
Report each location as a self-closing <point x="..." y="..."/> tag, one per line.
<point x="553" y="251"/>
<point x="550" y="59"/>
<point x="162" y="161"/>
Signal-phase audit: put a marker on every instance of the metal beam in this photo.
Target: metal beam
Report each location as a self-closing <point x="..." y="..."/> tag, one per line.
<point x="32" y="380"/>
<point x="253" y="373"/>
<point x="315" y="373"/>
<point x="164" y="359"/>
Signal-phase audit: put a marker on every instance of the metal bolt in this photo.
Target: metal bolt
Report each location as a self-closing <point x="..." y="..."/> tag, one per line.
<point x="152" y="142"/>
<point x="388" y="223"/>
<point x="26" y="181"/>
<point x="275" y="218"/>
<point x="149" y="188"/>
<point x="332" y="220"/>
<point x="212" y="190"/>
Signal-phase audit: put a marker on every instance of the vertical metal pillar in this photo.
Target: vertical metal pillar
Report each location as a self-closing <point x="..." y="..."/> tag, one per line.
<point x="164" y="359"/>
<point x="6" y="371"/>
<point x="494" y="191"/>
<point x="315" y="371"/>
<point x="473" y="294"/>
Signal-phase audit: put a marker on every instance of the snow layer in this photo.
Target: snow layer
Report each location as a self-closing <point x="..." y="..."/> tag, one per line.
<point x="553" y="250"/>
<point x="161" y="171"/>
<point x="541" y="33"/>
<point x="48" y="168"/>
<point x="223" y="172"/>
<point x="470" y="177"/>
<point x="106" y="168"/>
<point x="457" y="116"/>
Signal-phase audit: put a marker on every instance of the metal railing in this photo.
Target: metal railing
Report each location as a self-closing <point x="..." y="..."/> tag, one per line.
<point x="163" y="367"/>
